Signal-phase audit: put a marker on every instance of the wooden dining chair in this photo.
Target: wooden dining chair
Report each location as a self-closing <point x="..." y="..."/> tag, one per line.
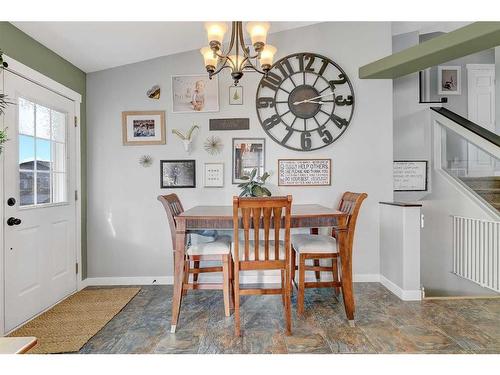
<point x="317" y="246"/>
<point x="217" y="250"/>
<point x="250" y="214"/>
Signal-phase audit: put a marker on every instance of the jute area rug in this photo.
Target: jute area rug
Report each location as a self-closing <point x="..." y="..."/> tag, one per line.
<point x="67" y="326"/>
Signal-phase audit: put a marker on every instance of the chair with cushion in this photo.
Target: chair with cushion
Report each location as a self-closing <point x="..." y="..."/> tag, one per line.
<point x="317" y="246"/>
<point x="217" y="250"/>
<point x="251" y="214"/>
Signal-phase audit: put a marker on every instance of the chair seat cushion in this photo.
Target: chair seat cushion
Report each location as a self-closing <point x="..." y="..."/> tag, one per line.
<point x="221" y="246"/>
<point x="262" y="250"/>
<point x="314" y="243"/>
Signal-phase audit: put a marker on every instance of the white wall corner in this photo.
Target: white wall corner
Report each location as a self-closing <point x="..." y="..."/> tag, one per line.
<point x="405" y="295"/>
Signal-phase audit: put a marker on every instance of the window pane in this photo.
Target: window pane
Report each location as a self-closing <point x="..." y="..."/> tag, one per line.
<point x="59" y="187"/>
<point x="26" y="192"/>
<point x="42" y="122"/>
<point x="26" y="117"/>
<point x="26" y="152"/>
<point x="43" y="155"/>
<point x="42" y="187"/>
<point x="58" y="157"/>
<point x="58" y="126"/>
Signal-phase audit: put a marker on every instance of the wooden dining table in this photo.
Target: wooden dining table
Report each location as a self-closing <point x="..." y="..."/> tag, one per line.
<point x="221" y="217"/>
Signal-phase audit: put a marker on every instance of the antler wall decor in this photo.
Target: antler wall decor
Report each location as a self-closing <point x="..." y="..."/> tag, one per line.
<point x="186" y="139"/>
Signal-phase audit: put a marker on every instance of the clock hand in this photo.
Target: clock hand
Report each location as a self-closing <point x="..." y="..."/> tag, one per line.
<point x="309" y="100"/>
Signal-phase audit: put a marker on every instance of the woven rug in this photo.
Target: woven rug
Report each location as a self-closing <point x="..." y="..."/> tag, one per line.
<point x="67" y="326"/>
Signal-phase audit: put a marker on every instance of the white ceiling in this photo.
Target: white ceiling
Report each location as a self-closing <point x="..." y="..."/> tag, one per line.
<point x="93" y="46"/>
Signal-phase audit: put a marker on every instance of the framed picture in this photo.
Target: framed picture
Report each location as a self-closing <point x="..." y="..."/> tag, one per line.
<point x="304" y="172"/>
<point x="449" y="80"/>
<point x="195" y="93"/>
<point x="248" y="154"/>
<point x="410" y="175"/>
<point x="235" y="95"/>
<point x="177" y="174"/>
<point x="214" y="175"/>
<point x="143" y="128"/>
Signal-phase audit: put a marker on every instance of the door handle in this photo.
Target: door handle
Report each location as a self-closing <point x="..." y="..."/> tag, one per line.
<point x="13" y="221"/>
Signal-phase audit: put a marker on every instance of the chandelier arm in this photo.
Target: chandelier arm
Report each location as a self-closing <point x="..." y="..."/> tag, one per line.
<point x="231" y="43"/>
<point x="254" y="67"/>
<point x="219" y="69"/>
<point x="246" y="50"/>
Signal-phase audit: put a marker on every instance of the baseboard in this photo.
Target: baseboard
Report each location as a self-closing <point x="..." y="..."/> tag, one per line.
<point x="138" y="280"/>
<point x="405" y="295"/>
<point x="169" y="280"/>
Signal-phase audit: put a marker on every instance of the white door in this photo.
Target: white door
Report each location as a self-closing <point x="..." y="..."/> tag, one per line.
<point x="39" y="202"/>
<point x="481" y="110"/>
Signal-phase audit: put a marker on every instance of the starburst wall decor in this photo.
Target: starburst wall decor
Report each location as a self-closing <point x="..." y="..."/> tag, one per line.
<point x="213" y="145"/>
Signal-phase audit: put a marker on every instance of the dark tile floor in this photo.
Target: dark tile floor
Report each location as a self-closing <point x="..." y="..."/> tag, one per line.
<point x="384" y="324"/>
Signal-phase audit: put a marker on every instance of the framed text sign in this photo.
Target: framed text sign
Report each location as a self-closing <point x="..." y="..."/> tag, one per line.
<point x="304" y="172"/>
<point x="410" y="175"/>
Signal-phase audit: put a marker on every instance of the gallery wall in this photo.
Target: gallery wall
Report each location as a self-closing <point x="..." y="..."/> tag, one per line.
<point x="128" y="233"/>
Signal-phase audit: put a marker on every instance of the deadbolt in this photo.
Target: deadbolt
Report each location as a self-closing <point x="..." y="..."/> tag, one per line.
<point x="11" y="201"/>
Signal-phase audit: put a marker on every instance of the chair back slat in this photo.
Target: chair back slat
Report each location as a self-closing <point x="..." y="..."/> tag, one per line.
<point x="351" y="203"/>
<point x="255" y="212"/>
<point x="267" y="226"/>
<point x="173" y="207"/>
<point x="277" y="223"/>
<point x="246" y="227"/>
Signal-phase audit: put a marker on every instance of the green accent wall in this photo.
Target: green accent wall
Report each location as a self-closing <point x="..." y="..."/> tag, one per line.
<point x="21" y="47"/>
<point x="472" y="38"/>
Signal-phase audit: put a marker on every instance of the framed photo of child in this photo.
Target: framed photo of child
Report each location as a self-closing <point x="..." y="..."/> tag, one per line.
<point x="195" y="93"/>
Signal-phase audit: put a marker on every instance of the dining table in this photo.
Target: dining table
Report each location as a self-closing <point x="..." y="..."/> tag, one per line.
<point x="311" y="216"/>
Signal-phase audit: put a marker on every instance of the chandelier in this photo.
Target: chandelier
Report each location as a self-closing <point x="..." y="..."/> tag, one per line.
<point x="238" y="56"/>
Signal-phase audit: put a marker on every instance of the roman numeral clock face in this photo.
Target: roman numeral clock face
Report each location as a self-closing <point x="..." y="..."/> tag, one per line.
<point x="306" y="102"/>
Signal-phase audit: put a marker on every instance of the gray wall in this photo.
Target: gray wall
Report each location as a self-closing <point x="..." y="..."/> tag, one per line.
<point x="413" y="140"/>
<point x="412" y="132"/>
<point x="127" y="227"/>
<point x="458" y="103"/>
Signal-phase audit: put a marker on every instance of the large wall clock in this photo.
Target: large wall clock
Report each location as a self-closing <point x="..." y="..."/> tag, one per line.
<point x="305" y="102"/>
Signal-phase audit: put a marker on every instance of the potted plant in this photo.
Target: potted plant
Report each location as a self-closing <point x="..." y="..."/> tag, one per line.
<point x="254" y="187"/>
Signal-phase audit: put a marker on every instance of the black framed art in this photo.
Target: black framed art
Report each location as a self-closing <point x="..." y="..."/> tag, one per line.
<point x="177" y="174"/>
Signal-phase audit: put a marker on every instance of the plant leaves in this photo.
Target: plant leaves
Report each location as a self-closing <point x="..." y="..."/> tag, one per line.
<point x="266" y="191"/>
<point x="244" y="178"/>
<point x="252" y="175"/>
<point x="257" y="191"/>
<point x="265" y="176"/>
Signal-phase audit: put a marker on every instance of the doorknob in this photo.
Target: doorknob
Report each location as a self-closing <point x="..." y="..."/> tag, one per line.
<point x="13" y="221"/>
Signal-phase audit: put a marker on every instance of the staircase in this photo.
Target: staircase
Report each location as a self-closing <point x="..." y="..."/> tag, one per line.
<point x="487" y="188"/>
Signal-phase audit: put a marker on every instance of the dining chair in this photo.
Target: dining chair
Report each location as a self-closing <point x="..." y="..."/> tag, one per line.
<point x="218" y="250"/>
<point x="250" y="214"/>
<point x="317" y="246"/>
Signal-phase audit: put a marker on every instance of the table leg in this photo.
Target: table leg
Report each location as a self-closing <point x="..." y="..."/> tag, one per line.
<point x="346" y="271"/>
<point x="180" y="244"/>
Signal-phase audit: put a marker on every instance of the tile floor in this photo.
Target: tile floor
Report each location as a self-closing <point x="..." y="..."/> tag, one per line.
<point x="384" y="324"/>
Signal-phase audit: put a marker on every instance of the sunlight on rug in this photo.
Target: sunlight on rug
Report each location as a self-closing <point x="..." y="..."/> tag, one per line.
<point x="66" y="327"/>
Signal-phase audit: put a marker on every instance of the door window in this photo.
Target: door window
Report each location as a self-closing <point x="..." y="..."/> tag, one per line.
<point x="42" y="154"/>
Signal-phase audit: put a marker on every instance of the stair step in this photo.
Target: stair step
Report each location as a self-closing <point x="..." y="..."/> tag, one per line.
<point x="482" y="182"/>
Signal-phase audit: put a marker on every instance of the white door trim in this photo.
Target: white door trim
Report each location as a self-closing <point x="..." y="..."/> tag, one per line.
<point x="32" y="75"/>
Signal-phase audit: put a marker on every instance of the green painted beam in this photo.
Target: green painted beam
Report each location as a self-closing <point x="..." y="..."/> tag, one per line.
<point x="472" y="38"/>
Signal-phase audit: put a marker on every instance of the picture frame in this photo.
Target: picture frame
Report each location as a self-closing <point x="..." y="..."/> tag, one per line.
<point x="176" y="174"/>
<point x="449" y="80"/>
<point x="213" y="175"/>
<point x="141" y="128"/>
<point x="247" y="154"/>
<point x="304" y="172"/>
<point x="410" y="175"/>
<point x="235" y="95"/>
<point x="186" y="95"/>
